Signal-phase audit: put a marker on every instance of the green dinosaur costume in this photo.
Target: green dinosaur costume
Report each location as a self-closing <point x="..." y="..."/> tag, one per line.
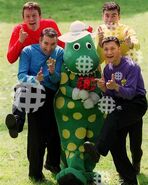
<point x="77" y="111"/>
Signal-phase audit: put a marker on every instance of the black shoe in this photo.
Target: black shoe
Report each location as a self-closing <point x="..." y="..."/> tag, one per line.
<point x="90" y="149"/>
<point x="136" y="167"/>
<point x="39" y="179"/>
<point x="11" y="124"/>
<point x="53" y="169"/>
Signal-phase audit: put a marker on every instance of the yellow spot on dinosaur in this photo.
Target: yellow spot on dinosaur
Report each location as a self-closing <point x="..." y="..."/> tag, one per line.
<point x="80" y="133"/>
<point x="81" y="148"/>
<point x="71" y="155"/>
<point x="92" y="118"/>
<point x="77" y="115"/>
<point x="60" y="102"/>
<point x="67" y="153"/>
<point x="71" y="105"/>
<point x="90" y="134"/>
<point x="72" y="76"/>
<point x="63" y="90"/>
<point x="65" y="133"/>
<point x="64" y="78"/>
<point x="71" y="147"/>
<point x="65" y="118"/>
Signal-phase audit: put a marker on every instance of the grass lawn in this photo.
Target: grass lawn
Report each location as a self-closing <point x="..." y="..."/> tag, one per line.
<point x="13" y="159"/>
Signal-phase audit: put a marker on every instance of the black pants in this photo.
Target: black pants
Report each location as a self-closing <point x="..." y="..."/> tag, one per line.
<point x="115" y="130"/>
<point x="42" y="134"/>
<point x="20" y="114"/>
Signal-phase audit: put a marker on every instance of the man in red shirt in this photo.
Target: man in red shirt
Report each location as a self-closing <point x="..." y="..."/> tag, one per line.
<point x="28" y="32"/>
<point x="25" y="34"/>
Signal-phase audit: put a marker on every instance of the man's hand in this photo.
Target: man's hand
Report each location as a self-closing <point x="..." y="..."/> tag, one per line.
<point x="101" y="83"/>
<point x="39" y="76"/>
<point x="22" y="35"/>
<point x="101" y="36"/>
<point x="112" y="85"/>
<point x="51" y="65"/>
<point x="128" y="40"/>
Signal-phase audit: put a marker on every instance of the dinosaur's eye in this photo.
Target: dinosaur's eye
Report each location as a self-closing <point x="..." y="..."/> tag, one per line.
<point x="88" y="45"/>
<point x="76" y="46"/>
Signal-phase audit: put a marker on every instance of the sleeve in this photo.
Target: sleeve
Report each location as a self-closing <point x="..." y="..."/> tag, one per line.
<point x="129" y="90"/>
<point x="56" y="76"/>
<point x="15" y="47"/>
<point x="97" y="45"/>
<point x="55" y="26"/>
<point x="24" y="66"/>
<point x="134" y="38"/>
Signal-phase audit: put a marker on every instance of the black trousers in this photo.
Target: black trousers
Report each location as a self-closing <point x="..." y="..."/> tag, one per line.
<point x="19" y="114"/>
<point x="42" y="134"/>
<point x="124" y="120"/>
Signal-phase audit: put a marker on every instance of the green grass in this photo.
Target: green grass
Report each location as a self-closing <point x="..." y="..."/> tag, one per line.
<point x="13" y="158"/>
<point x="69" y="10"/>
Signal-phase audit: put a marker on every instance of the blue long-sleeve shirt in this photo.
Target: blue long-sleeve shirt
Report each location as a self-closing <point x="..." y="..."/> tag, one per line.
<point x="128" y="76"/>
<point x="32" y="59"/>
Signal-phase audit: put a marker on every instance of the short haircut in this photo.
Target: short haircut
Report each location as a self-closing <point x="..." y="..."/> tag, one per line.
<point x="111" y="6"/>
<point x="110" y="39"/>
<point x="31" y="6"/>
<point x="50" y="32"/>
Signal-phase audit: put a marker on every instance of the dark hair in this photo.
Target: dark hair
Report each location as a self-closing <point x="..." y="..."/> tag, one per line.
<point x="111" y="6"/>
<point x="50" y="32"/>
<point x="110" y="39"/>
<point x="31" y="6"/>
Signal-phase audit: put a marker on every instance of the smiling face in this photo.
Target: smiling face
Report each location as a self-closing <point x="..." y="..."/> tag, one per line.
<point x="80" y="56"/>
<point x="32" y="18"/>
<point x="111" y="17"/>
<point x="112" y="52"/>
<point x="48" y="44"/>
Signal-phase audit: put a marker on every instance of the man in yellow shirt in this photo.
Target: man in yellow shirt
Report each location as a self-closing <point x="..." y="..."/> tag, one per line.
<point x="112" y="27"/>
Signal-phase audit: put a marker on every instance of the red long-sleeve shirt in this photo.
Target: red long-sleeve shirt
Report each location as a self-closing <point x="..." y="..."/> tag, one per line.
<point x="15" y="46"/>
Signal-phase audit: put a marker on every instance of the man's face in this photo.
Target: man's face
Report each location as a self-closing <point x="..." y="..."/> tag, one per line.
<point x="48" y="44"/>
<point x="111" y="17"/>
<point x="111" y="52"/>
<point x="32" y="18"/>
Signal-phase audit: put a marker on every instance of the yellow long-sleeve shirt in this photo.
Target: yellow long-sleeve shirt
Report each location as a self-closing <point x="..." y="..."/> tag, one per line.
<point x="120" y="32"/>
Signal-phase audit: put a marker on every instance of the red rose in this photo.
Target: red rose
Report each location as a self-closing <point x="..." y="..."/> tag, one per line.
<point x="87" y="83"/>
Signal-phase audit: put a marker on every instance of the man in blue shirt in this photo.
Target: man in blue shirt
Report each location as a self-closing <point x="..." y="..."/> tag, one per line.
<point x="41" y="63"/>
<point x="122" y="81"/>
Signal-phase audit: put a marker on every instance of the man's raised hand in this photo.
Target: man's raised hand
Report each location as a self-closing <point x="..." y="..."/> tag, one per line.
<point x="22" y="35"/>
<point x="39" y="76"/>
<point x="111" y="84"/>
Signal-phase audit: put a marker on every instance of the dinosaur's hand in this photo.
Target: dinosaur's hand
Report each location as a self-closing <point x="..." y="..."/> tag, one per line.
<point x="88" y="103"/>
<point x="75" y="94"/>
<point x="83" y="94"/>
<point x="94" y="96"/>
